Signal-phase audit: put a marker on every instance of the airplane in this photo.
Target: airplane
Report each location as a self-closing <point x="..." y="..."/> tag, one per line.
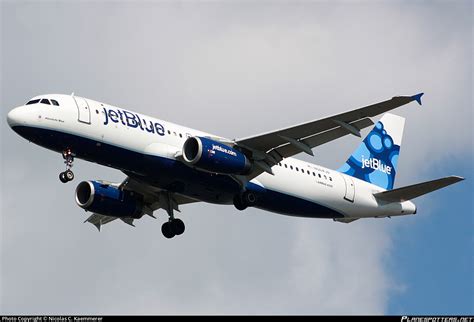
<point x="168" y="165"/>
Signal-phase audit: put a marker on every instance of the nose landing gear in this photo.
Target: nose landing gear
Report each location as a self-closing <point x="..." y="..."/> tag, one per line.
<point x="67" y="175"/>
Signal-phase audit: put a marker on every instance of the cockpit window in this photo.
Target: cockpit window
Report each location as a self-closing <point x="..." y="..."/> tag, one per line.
<point x="32" y="102"/>
<point x="55" y="102"/>
<point x="45" y="101"/>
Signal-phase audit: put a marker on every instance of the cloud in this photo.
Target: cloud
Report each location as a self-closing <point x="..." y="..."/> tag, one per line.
<point x="234" y="70"/>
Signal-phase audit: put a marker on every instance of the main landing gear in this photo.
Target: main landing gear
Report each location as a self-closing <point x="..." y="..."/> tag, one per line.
<point x="67" y="175"/>
<point x="174" y="226"/>
<point x="244" y="200"/>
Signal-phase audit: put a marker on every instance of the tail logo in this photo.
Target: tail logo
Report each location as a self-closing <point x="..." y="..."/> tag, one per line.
<point x="375" y="160"/>
<point x="376" y="164"/>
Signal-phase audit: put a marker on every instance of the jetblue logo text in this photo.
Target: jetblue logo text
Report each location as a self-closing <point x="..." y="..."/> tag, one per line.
<point x="376" y="164"/>
<point x="221" y="149"/>
<point x="132" y="120"/>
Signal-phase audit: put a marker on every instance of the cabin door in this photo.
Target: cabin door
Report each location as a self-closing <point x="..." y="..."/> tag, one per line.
<point x="350" y="188"/>
<point x="83" y="110"/>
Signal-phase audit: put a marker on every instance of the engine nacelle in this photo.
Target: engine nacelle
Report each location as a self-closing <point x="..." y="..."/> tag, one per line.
<point x="107" y="200"/>
<point x="209" y="155"/>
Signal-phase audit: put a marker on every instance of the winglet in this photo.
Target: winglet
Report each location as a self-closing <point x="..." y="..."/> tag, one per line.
<point x="417" y="97"/>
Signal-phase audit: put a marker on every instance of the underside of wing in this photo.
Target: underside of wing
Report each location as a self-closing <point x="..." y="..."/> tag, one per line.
<point x="155" y="198"/>
<point x="151" y="198"/>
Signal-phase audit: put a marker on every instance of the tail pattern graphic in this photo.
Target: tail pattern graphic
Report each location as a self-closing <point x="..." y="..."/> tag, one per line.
<point x="376" y="159"/>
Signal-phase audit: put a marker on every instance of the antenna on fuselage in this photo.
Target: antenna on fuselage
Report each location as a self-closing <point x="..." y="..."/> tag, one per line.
<point x="72" y="94"/>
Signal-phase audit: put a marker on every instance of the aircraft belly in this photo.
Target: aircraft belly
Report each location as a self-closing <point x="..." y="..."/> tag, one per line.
<point x="298" y="194"/>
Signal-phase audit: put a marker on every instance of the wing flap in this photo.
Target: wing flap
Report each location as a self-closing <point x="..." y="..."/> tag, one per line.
<point x="98" y="220"/>
<point x="416" y="190"/>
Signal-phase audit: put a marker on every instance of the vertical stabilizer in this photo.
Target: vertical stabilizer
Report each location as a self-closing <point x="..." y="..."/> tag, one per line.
<point x="375" y="160"/>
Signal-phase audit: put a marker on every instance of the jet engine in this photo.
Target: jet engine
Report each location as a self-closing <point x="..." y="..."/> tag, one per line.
<point x="212" y="156"/>
<point x="108" y="200"/>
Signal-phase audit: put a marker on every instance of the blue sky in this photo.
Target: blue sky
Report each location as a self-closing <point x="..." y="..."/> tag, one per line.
<point x="237" y="69"/>
<point x="434" y="255"/>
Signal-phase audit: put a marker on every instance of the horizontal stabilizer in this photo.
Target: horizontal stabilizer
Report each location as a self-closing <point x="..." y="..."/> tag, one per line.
<point x="416" y="190"/>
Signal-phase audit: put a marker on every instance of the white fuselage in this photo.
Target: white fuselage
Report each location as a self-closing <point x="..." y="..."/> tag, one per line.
<point x="106" y="125"/>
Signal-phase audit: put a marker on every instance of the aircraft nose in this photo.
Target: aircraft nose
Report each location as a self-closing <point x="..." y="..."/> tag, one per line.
<point x="14" y="117"/>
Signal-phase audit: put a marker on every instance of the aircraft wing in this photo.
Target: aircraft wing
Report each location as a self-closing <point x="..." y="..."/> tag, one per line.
<point x="270" y="148"/>
<point x="153" y="199"/>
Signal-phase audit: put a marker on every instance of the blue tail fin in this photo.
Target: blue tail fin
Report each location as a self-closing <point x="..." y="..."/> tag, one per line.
<point x="375" y="160"/>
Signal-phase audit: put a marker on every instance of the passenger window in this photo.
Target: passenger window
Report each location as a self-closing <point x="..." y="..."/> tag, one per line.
<point x="45" y="101"/>
<point x="180" y="135"/>
<point x="307" y="171"/>
<point x="32" y="102"/>
<point x="291" y="167"/>
<point x="314" y="174"/>
<point x="319" y="175"/>
<point x="302" y="170"/>
<point x="286" y="166"/>
<point x="325" y="177"/>
<point x="169" y="132"/>
<point x="330" y="179"/>
<point x="55" y="102"/>
<point x="297" y="169"/>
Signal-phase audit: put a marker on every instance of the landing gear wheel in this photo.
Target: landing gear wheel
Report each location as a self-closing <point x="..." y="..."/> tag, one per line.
<point x="249" y="199"/>
<point x="62" y="177"/>
<point x="238" y="203"/>
<point x="167" y="230"/>
<point x="177" y="226"/>
<point x="69" y="175"/>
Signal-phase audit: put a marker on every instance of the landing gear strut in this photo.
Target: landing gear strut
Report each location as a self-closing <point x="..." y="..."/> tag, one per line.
<point x="67" y="175"/>
<point x="174" y="226"/>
